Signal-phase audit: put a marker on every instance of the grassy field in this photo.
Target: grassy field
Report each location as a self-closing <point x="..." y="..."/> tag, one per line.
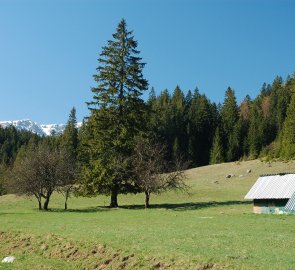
<point x="211" y="228"/>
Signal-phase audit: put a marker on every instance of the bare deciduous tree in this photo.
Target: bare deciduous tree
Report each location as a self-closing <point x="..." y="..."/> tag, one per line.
<point x="40" y="172"/>
<point x="153" y="174"/>
<point x="67" y="180"/>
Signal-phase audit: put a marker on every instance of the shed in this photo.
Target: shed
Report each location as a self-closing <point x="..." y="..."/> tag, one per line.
<point x="273" y="193"/>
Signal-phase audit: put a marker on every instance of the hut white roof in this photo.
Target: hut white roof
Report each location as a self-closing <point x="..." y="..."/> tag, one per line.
<point x="279" y="186"/>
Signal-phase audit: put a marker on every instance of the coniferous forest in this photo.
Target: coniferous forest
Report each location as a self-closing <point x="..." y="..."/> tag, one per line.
<point x="191" y="128"/>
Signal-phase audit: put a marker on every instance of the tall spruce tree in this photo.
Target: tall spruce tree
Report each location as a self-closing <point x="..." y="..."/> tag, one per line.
<point x="178" y="120"/>
<point x="217" y="153"/>
<point x="165" y="128"/>
<point x="192" y="114"/>
<point x="69" y="143"/>
<point x="200" y="128"/>
<point x="230" y="115"/>
<point x="152" y="117"/>
<point x="244" y="120"/>
<point x="69" y="139"/>
<point x="117" y="116"/>
<point x="255" y="131"/>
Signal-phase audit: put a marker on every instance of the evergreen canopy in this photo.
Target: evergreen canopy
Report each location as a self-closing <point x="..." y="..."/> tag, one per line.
<point x="117" y="116"/>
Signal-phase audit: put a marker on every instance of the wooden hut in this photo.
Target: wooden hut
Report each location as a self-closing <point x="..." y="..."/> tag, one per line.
<point x="273" y="194"/>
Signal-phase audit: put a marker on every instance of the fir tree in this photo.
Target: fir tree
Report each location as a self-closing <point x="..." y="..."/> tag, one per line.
<point x="200" y="128"/>
<point x="151" y="116"/>
<point x="70" y="135"/>
<point x="230" y="114"/>
<point x="255" y="132"/>
<point x="164" y="127"/>
<point x="69" y="142"/>
<point x="217" y="153"/>
<point x="188" y="98"/>
<point x="229" y="111"/>
<point x="117" y="116"/>
<point x="152" y="97"/>
<point x="176" y="149"/>
<point x="178" y="120"/>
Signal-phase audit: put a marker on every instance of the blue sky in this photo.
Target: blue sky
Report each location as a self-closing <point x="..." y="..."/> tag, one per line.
<point x="49" y="49"/>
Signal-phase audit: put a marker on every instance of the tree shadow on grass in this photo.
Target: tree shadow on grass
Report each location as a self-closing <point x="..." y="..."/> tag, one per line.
<point x="94" y="209"/>
<point x="61" y="210"/>
<point x="188" y="206"/>
<point x="167" y="206"/>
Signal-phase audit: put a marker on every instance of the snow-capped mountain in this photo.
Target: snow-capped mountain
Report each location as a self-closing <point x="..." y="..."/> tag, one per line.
<point x="53" y="129"/>
<point x="41" y="130"/>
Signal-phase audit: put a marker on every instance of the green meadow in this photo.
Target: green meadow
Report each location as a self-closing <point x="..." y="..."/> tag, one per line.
<point x="210" y="227"/>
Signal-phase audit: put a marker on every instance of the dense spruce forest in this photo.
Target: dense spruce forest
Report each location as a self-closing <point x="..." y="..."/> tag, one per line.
<point x="121" y="143"/>
<point x="208" y="133"/>
<point x="199" y="130"/>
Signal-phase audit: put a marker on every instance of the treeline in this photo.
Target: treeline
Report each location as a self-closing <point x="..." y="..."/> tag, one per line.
<point x="127" y="145"/>
<point x="208" y="133"/>
<point x="40" y="166"/>
<point x="11" y="141"/>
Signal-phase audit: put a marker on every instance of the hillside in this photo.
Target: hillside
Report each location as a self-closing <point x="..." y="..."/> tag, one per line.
<point x="211" y="228"/>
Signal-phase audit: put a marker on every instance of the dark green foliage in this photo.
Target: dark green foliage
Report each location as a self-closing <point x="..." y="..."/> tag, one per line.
<point x="176" y="149"/>
<point x="178" y="122"/>
<point x="69" y="139"/>
<point x="188" y="124"/>
<point x="200" y="127"/>
<point x="256" y="135"/>
<point x="11" y="140"/>
<point x="244" y="122"/>
<point x="152" y="98"/>
<point x="229" y="117"/>
<point x="217" y="151"/>
<point x="2" y="179"/>
<point x="279" y="99"/>
<point x="69" y="144"/>
<point x="161" y="121"/>
<point x="2" y="189"/>
<point x="117" y="116"/>
<point x="185" y="124"/>
<point x="191" y="126"/>
<point x="288" y="134"/>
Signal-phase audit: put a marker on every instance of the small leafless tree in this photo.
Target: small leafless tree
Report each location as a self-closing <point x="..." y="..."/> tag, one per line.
<point x="40" y="172"/>
<point x="153" y="174"/>
<point x="67" y="179"/>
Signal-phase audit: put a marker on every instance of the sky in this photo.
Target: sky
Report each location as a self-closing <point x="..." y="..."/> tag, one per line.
<point x="49" y="49"/>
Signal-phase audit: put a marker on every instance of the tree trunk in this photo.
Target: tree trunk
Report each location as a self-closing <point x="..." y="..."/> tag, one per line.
<point x="39" y="199"/>
<point x="46" y="203"/>
<point x="114" y="198"/>
<point x="67" y="196"/>
<point x="40" y="204"/>
<point x="66" y="203"/>
<point x="147" y="199"/>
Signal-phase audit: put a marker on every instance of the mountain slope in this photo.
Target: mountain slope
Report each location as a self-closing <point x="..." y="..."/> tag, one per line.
<point x="40" y="129"/>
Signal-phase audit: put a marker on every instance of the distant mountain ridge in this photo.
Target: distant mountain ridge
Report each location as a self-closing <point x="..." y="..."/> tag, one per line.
<point x="39" y="129"/>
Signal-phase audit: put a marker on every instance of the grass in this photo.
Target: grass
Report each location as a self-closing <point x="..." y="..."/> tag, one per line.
<point x="211" y="228"/>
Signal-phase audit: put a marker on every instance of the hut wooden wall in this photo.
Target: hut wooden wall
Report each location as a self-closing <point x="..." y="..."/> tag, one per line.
<point x="269" y="206"/>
